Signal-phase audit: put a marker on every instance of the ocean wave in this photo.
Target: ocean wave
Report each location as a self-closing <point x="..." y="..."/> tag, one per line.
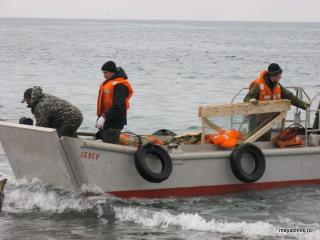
<point x="195" y="222"/>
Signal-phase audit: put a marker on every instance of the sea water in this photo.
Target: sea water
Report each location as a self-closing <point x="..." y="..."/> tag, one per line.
<point x="174" y="67"/>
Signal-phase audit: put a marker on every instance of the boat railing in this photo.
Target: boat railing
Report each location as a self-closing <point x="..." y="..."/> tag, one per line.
<point x="312" y="129"/>
<point x="300" y="93"/>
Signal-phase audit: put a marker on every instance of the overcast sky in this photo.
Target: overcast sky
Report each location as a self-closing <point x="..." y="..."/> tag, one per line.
<point x="229" y="10"/>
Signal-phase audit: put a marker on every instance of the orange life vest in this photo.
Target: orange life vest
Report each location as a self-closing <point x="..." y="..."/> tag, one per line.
<point x="105" y="98"/>
<point x="265" y="92"/>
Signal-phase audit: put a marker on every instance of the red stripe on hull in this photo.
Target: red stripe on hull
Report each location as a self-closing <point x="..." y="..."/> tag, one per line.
<point x="209" y="190"/>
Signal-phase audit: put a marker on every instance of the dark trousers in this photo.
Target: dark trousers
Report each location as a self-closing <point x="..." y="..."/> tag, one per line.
<point x="70" y="129"/>
<point x="111" y="135"/>
<point x="257" y="121"/>
<point x="316" y="120"/>
<point x="67" y="131"/>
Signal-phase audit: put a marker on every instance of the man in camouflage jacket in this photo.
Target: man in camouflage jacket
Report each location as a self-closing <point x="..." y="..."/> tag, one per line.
<point x="53" y="112"/>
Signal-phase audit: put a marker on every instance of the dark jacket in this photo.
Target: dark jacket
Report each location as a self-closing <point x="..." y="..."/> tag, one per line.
<point x="1" y="198"/>
<point x="316" y="119"/>
<point x="116" y="116"/>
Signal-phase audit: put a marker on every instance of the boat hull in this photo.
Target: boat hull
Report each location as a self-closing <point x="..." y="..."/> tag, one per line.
<point x="71" y="164"/>
<point x="198" y="173"/>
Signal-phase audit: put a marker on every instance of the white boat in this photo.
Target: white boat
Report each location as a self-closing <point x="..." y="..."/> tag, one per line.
<point x="184" y="169"/>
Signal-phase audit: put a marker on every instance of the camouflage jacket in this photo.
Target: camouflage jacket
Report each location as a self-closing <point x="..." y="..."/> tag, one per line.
<point x="53" y="112"/>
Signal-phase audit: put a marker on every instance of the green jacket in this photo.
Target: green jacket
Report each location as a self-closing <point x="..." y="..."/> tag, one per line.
<point x="285" y="94"/>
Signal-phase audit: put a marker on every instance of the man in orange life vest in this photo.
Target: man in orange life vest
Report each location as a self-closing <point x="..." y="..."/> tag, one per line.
<point x="113" y="102"/>
<point x="267" y="87"/>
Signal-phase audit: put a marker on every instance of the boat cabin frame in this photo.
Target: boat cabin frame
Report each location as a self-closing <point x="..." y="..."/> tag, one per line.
<point x="272" y="106"/>
<point x="297" y="118"/>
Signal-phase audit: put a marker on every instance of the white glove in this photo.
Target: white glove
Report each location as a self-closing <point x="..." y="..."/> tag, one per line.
<point x="100" y="122"/>
<point x="307" y="104"/>
<point x="253" y="101"/>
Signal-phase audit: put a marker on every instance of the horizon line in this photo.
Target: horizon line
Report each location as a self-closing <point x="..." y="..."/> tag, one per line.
<point x="164" y="20"/>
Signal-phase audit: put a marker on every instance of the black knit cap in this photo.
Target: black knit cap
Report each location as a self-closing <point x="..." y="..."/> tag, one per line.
<point x="27" y="94"/>
<point x="274" y="70"/>
<point x="109" y="66"/>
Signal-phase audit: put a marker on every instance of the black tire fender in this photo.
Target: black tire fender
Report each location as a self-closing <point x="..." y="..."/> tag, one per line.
<point x="145" y="171"/>
<point x="259" y="159"/>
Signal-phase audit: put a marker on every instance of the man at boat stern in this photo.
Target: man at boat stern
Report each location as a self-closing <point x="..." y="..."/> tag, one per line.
<point x="53" y="112"/>
<point x="113" y="102"/>
<point x="267" y="87"/>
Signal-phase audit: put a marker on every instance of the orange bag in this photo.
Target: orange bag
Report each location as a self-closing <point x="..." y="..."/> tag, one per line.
<point x="288" y="133"/>
<point x="225" y="139"/>
<point x="288" y="138"/>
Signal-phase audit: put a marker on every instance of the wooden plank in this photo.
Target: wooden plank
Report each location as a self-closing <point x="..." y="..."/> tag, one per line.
<point x="89" y="134"/>
<point x="266" y="128"/>
<point x="245" y="108"/>
<point x="212" y="125"/>
<point x="203" y="130"/>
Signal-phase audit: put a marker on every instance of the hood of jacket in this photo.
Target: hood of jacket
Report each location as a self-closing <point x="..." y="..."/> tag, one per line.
<point x="36" y="96"/>
<point x="119" y="74"/>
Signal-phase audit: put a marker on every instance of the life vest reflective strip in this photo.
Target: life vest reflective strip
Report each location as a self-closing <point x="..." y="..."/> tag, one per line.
<point x="105" y="97"/>
<point x="265" y="92"/>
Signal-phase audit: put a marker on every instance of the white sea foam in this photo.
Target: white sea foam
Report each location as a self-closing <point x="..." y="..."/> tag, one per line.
<point x="92" y="188"/>
<point x="195" y="222"/>
<point x="23" y="199"/>
<point x="36" y="195"/>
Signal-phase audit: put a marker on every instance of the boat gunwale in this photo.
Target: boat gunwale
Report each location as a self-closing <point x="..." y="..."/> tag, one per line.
<point x="27" y="127"/>
<point x="202" y="154"/>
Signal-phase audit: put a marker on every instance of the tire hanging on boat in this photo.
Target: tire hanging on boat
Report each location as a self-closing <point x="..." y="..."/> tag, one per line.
<point x="145" y="171"/>
<point x="259" y="159"/>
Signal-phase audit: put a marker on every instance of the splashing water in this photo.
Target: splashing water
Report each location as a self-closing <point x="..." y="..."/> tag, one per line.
<point x="36" y="196"/>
